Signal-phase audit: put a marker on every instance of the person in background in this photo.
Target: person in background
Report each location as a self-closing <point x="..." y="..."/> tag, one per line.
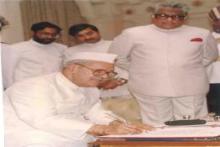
<point x="6" y="55"/>
<point x="63" y="109"/>
<point x="39" y="55"/>
<point x="213" y="96"/>
<point x="167" y="60"/>
<point x="3" y="23"/>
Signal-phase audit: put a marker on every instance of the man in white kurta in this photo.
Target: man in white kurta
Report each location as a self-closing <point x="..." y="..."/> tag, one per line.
<point x="37" y="56"/>
<point x="213" y="69"/>
<point x="167" y="64"/>
<point x="7" y="62"/>
<point x="3" y="23"/>
<point x="62" y="109"/>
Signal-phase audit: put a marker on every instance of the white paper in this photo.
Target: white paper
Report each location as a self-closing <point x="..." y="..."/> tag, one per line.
<point x="208" y="130"/>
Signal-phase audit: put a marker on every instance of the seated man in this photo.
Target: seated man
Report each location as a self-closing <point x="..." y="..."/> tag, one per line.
<point x="114" y="93"/>
<point x="63" y="109"/>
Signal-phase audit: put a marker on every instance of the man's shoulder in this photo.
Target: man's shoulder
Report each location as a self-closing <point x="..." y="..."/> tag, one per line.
<point x="60" y="45"/>
<point x="37" y="87"/>
<point x="196" y="29"/>
<point x="138" y="29"/>
<point x="21" y="44"/>
<point x="40" y="82"/>
<point x="106" y="41"/>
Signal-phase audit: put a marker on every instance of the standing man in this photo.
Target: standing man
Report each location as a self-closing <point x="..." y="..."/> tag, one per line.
<point x="3" y="23"/>
<point x="6" y="56"/>
<point x="63" y="109"/>
<point x="39" y="55"/>
<point x="214" y="69"/>
<point x="167" y="64"/>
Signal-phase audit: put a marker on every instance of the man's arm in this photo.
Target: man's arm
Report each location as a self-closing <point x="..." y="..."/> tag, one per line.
<point x="122" y="46"/>
<point x="107" y="123"/>
<point x="10" y="58"/>
<point x="117" y="128"/>
<point x="35" y="107"/>
<point x="210" y="50"/>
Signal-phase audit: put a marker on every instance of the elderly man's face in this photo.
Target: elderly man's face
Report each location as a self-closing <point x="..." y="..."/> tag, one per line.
<point x="92" y="74"/>
<point x="46" y="36"/>
<point x="169" y="18"/>
<point x="87" y="36"/>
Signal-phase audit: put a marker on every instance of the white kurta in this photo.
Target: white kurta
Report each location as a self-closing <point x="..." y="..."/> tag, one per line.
<point x="1" y="102"/>
<point x="102" y="46"/>
<point x="166" y="62"/>
<point x="34" y="59"/>
<point x="8" y="66"/>
<point x="214" y="68"/>
<point x="51" y="110"/>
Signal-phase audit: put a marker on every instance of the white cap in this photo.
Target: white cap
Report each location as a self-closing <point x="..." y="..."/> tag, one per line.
<point x="92" y="56"/>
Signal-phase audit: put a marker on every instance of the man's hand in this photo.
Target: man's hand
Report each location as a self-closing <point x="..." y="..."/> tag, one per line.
<point x="130" y="128"/>
<point x="111" y="84"/>
<point x="117" y="128"/>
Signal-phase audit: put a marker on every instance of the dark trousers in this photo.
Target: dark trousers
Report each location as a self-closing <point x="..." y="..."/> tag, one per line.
<point x="213" y="98"/>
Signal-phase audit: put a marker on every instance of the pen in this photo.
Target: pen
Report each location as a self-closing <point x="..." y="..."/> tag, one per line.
<point x="115" y="117"/>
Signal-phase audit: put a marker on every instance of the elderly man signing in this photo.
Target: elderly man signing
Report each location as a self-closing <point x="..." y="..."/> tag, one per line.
<point x="63" y="109"/>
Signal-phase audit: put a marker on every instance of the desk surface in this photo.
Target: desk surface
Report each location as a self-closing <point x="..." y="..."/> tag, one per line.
<point x="115" y="143"/>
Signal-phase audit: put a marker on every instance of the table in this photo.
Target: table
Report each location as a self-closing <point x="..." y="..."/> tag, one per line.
<point x="207" y="135"/>
<point x="121" y="143"/>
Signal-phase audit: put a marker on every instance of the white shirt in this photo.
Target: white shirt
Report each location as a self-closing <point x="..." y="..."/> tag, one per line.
<point x="164" y="62"/>
<point x="100" y="46"/>
<point x="1" y="102"/>
<point x="214" y="68"/>
<point x="51" y="104"/>
<point x="35" y="59"/>
<point x="8" y="57"/>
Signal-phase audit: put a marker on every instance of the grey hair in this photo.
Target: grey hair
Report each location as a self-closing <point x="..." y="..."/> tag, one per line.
<point x="183" y="7"/>
<point x="3" y="22"/>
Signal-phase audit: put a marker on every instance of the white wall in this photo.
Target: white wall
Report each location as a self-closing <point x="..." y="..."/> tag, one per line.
<point x="108" y="15"/>
<point x="11" y="11"/>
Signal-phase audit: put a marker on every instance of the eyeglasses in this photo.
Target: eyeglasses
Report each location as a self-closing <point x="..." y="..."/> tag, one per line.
<point x="99" y="72"/>
<point x="173" y="17"/>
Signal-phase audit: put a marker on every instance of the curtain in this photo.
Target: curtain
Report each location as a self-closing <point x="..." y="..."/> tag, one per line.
<point x="64" y="13"/>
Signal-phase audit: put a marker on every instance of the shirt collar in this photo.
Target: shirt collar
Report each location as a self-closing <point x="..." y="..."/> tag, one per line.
<point x="39" y="44"/>
<point x="92" y="44"/>
<point x="168" y="30"/>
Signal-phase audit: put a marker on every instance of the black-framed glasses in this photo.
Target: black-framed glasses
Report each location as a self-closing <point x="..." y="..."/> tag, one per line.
<point x="166" y="16"/>
<point x="99" y="72"/>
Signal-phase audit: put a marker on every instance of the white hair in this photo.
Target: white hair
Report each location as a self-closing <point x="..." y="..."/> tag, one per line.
<point x="181" y="6"/>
